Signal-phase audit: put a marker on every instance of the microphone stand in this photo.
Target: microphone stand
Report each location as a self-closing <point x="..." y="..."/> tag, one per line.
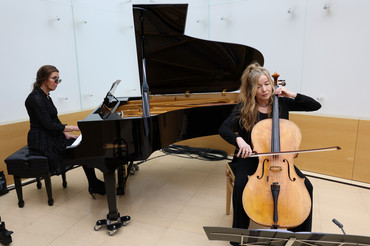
<point x="340" y="225"/>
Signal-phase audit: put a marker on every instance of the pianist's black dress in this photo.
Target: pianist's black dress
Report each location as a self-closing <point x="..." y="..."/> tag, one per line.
<point x="244" y="167"/>
<point x="46" y="136"/>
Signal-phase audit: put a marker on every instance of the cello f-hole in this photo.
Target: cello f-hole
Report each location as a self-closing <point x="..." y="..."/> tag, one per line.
<point x="263" y="169"/>
<point x="294" y="179"/>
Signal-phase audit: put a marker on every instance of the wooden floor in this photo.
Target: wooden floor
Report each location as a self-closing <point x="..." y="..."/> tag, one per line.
<point x="170" y="199"/>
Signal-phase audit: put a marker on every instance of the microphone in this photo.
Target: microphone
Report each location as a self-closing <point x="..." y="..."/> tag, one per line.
<point x="339" y="225"/>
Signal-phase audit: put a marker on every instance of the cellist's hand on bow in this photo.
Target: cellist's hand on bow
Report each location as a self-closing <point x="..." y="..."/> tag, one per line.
<point x="244" y="148"/>
<point x="283" y="92"/>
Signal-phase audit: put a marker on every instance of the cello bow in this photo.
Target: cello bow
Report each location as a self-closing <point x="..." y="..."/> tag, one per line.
<point x="255" y="154"/>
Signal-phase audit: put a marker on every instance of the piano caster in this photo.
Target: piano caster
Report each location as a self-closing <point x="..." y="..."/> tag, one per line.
<point x="132" y="171"/>
<point x="112" y="225"/>
<point x="111" y="233"/>
<point x="134" y="168"/>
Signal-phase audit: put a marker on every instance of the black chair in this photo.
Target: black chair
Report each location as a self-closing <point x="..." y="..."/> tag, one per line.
<point x="23" y="165"/>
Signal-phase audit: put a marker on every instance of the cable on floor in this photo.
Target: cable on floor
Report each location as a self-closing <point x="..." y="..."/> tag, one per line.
<point x="196" y="153"/>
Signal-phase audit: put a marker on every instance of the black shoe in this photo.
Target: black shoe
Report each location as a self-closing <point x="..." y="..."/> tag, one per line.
<point x="98" y="187"/>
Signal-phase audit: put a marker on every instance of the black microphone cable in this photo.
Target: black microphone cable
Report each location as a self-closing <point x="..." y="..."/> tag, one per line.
<point x="184" y="151"/>
<point x="196" y="153"/>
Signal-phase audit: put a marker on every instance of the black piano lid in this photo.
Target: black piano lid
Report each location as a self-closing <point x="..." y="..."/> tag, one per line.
<point x="176" y="63"/>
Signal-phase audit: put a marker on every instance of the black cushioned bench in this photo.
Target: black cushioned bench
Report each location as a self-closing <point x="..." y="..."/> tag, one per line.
<point x="23" y="165"/>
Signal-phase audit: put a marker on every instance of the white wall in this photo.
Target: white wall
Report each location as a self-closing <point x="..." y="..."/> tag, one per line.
<point x="31" y="36"/>
<point x="91" y="42"/>
<point x="322" y="52"/>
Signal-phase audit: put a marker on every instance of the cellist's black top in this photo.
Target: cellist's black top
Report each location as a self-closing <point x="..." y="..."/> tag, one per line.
<point x="231" y="125"/>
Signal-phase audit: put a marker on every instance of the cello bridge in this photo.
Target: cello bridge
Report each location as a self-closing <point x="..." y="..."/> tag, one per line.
<point x="276" y="168"/>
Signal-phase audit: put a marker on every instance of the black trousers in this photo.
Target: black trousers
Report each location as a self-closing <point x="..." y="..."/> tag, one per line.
<point x="244" y="167"/>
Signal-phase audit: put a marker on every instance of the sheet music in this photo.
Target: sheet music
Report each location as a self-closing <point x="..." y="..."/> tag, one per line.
<point x="77" y="141"/>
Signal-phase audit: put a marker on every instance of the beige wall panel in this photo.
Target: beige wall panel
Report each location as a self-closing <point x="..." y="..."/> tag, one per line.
<point x="71" y="119"/>
<point x="361" y="171"/>
<point x="320" y="132"/>
<point x="12" y="138"/>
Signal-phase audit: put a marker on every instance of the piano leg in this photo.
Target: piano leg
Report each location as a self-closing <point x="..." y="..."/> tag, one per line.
<point x="123" y="171"/>
<point x="110" y="184"/>
<point x="114" y="221"/>
<point x="121" y="174"/>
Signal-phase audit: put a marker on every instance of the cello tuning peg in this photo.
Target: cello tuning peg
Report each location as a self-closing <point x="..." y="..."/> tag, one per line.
<point x="282" y="82"/>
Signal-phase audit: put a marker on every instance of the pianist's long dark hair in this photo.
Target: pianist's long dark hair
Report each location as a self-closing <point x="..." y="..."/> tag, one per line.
<point x="247" y="95"/>
<point x="43" y="74"/>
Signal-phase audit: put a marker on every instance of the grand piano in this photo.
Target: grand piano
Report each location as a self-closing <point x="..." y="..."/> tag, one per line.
<point x="187" y="92"/>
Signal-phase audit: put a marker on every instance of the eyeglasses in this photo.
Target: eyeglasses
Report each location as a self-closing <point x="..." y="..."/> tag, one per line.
<point x="57" y="80"/>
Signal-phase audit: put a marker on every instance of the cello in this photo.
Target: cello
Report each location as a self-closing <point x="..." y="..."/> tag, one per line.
<point x="275" y="196"/>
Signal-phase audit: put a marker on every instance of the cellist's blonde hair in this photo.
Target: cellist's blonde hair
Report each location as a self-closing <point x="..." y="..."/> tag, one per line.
<point x="247" y="95"/>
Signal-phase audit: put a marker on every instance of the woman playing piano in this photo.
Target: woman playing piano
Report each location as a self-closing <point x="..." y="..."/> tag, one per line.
<point x="255" y="104"/>
<point x="47" y="135"/>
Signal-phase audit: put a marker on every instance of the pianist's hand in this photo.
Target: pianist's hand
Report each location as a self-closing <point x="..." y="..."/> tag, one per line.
<point x="69" y="136"/>
<point x="71" y="129"/>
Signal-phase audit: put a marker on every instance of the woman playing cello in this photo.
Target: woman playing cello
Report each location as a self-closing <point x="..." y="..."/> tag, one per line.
<point x="255" y="104"/>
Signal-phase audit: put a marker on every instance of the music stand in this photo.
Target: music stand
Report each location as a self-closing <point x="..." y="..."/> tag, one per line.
<point x="110" y="101"/>
<point x="283" y="238"/>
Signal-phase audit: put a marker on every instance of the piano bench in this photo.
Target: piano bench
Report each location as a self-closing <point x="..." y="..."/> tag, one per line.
<point x="230" y="178"/>
<point x="21" y="164"/>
